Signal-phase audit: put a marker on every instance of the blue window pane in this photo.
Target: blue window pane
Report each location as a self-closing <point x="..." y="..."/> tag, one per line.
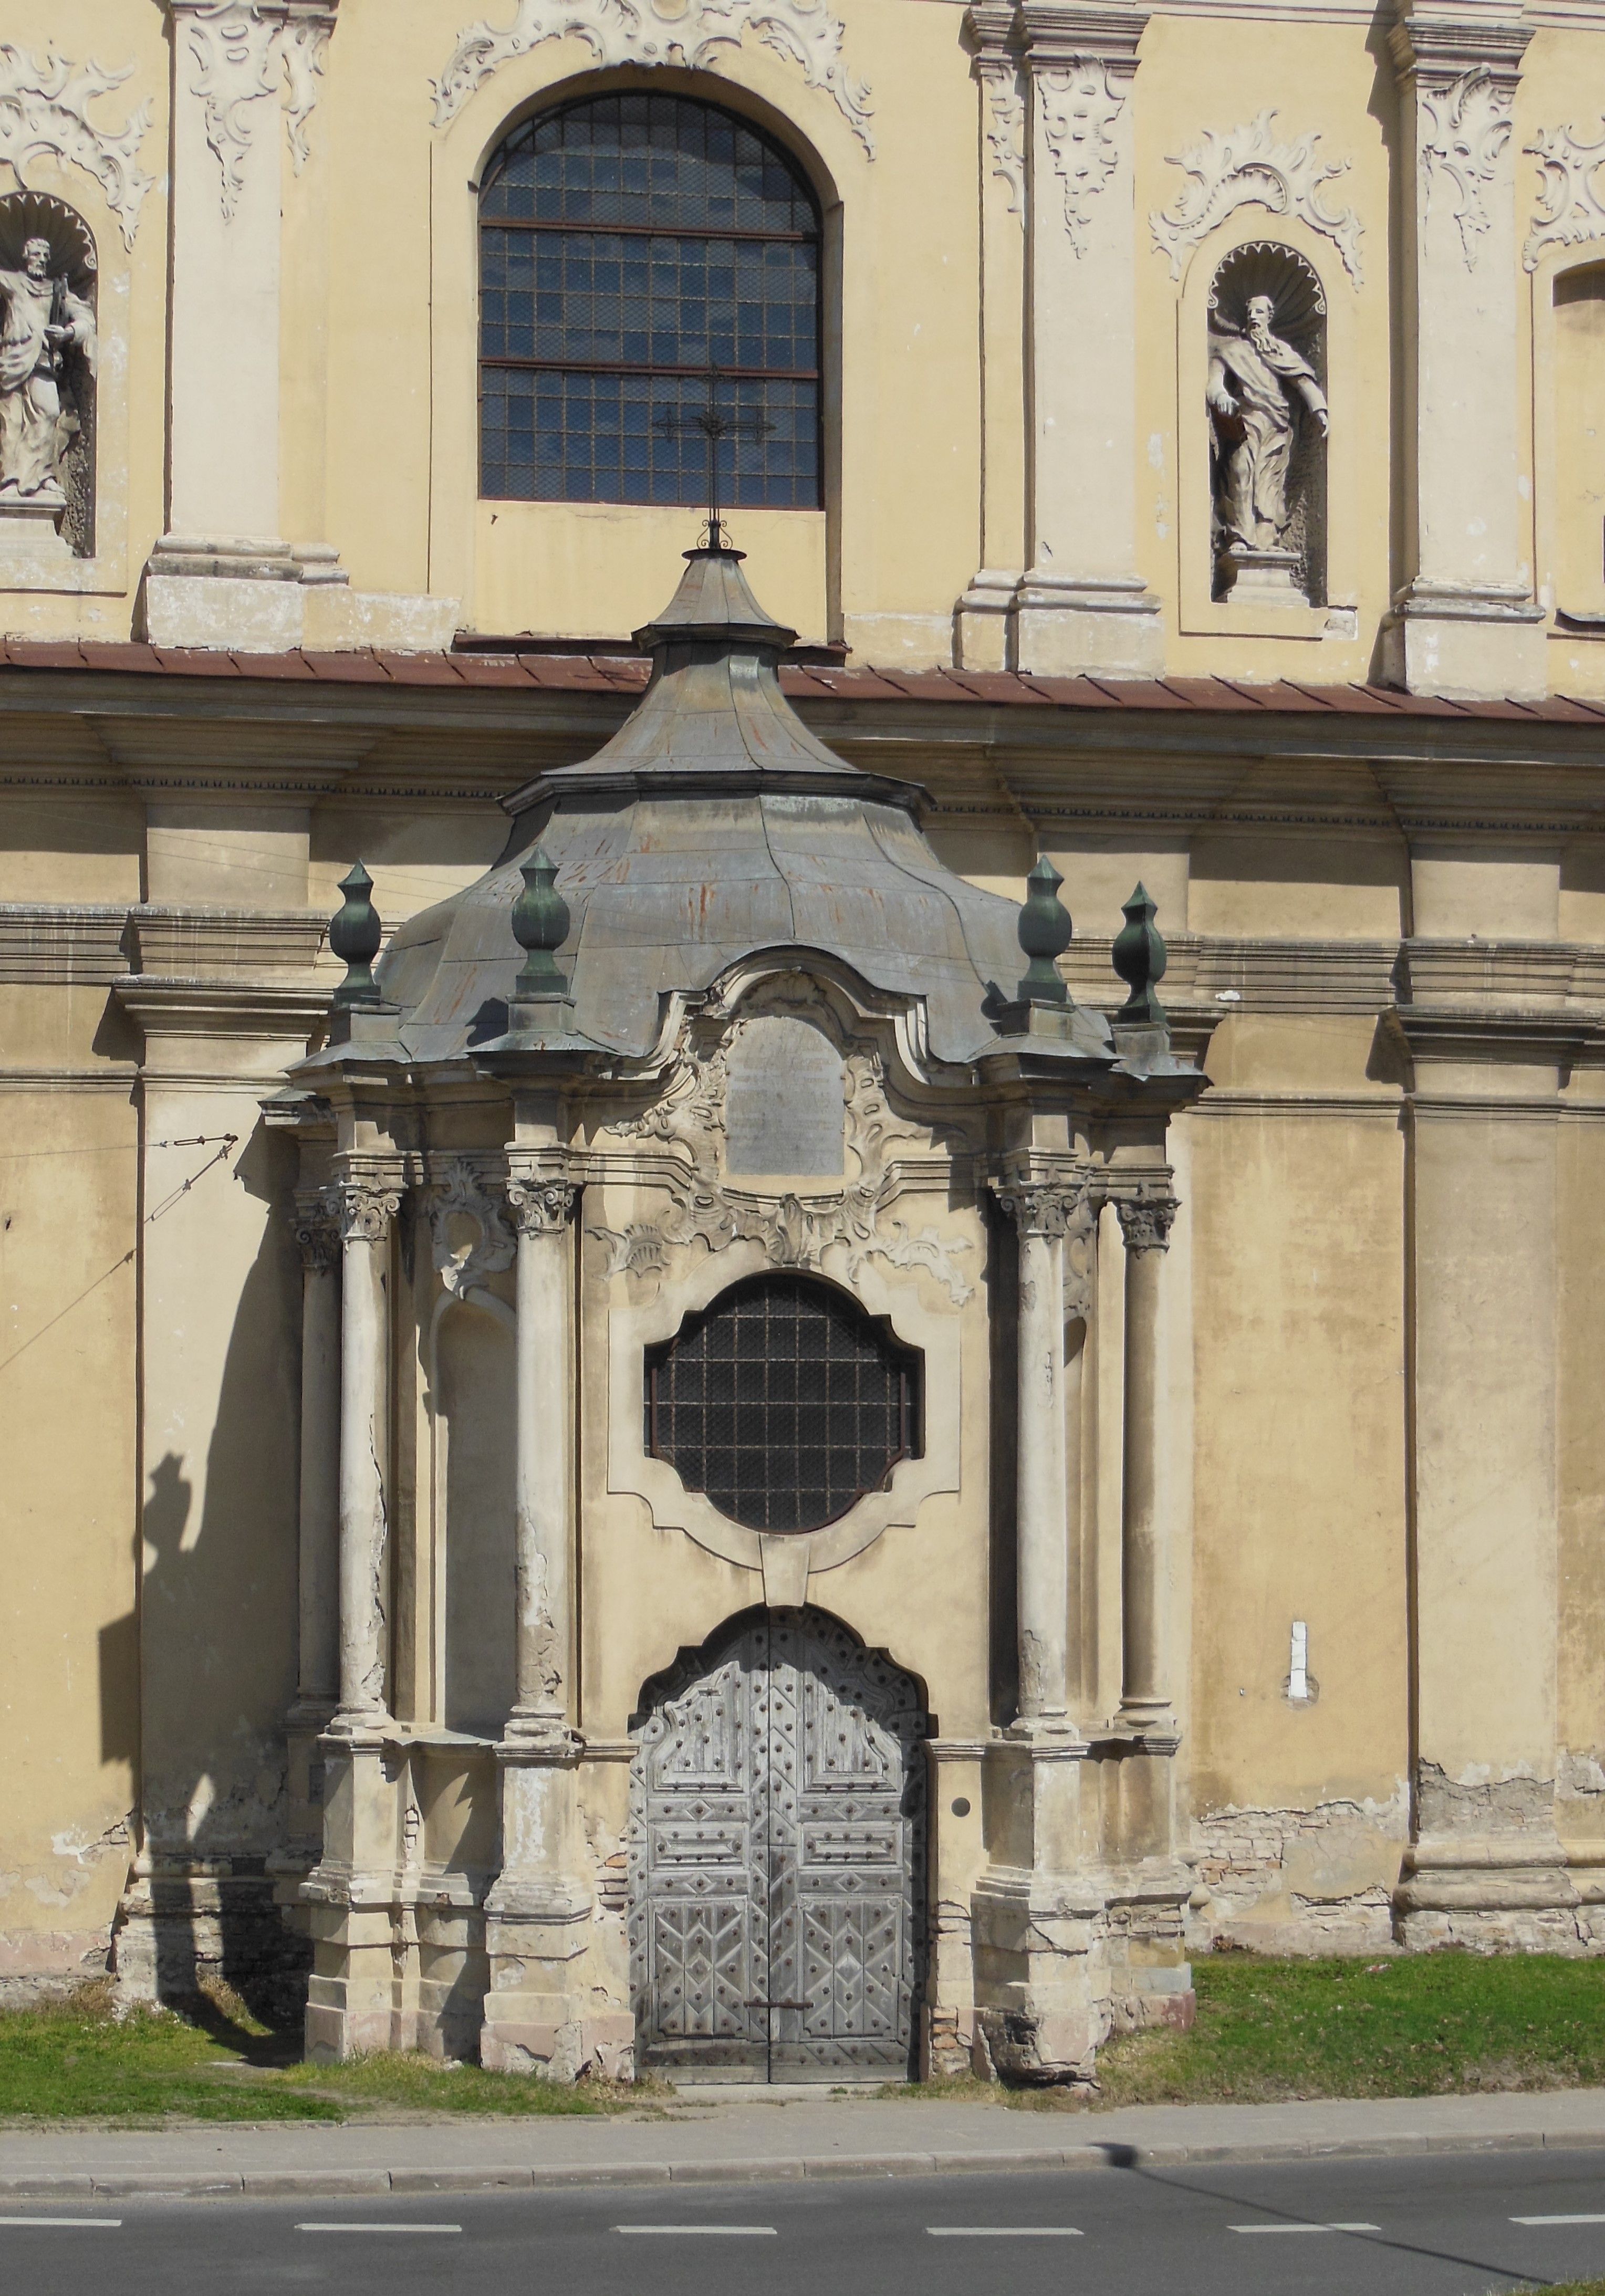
<point x="590" y="296"/>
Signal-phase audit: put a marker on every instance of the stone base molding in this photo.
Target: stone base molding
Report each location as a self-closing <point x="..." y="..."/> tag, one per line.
<point x="1065" y="625"/>
<point x="250" y="596"/>
<point x="1466" y="643"/>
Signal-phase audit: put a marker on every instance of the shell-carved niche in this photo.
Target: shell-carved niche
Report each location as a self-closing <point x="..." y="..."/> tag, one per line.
<point x="48" y="354"/>
<point x="1266" y="407"/>
<point x="781" y="1087"/>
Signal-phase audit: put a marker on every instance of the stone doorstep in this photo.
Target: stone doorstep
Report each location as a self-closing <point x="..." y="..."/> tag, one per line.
<point x="283" y="2183"/>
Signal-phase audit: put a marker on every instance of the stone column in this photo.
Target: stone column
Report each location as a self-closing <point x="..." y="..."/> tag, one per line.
<point x="1041" y="1215"/>
<point x="366" y="1211"/>
<point x="539" y="2017"/>
<point x="350" y="1892"/>
<point x="1082" y="604"/>
<point x="237" y="64"/>
<point x="318" y="1672"/>
<point x="1144" y="1691"/>
<point x="1465" y="623"/>
<point x="986" y="609"/>
<point x="318" y="1666"/>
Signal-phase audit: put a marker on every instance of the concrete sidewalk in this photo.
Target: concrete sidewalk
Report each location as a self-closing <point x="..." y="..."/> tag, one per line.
<point x="750" y="2140"/>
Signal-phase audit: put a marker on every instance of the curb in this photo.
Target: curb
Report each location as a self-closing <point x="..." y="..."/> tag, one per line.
<point x="287" y="2183"/>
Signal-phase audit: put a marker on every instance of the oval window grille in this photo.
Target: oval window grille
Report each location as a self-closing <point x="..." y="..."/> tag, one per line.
<point x="783" y="1403"/>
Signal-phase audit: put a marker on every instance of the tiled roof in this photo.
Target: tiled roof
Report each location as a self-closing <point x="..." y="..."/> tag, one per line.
<point x="597" y="672"/>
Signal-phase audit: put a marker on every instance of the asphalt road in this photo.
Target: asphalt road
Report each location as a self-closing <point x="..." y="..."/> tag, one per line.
<point x="1450" y="2224"/>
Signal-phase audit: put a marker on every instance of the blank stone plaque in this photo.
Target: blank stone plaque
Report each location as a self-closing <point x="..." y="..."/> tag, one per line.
<point x="785" y="1101"/>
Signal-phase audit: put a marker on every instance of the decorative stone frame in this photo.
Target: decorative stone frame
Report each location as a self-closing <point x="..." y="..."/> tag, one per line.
<point x="496" y="555"/>
<point x="1553" y="263"/>
<point x="786" y="1560"/>
<point x="1201" y="614"/>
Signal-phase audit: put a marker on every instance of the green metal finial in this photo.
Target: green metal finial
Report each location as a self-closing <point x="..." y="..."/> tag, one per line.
<point x="1140" y="957"/>
<point x="540" y="926"/>
<point x="1044" y="934"/>
<point x="355" y="934"/>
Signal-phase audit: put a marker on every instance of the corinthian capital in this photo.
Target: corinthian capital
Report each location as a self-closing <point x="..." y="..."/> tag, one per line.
<point x="1145" y="1222"/>
<point x="317" y="1228"/>
<point x="1043" y="1207"/>
<point x="539" y="1203"/>
<point x="367" y="1206"/>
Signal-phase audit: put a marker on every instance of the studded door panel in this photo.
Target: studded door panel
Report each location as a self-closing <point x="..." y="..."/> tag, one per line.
<point x="777" y="1856"/>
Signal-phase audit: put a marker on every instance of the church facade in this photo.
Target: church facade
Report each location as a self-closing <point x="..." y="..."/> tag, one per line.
<point x="802" y="1012"/>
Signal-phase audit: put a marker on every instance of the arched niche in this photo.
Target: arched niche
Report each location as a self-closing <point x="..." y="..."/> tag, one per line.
<point x="476" y="1405"/>
<point x="1578" y="481"/>
<point x="1265" y="398"/>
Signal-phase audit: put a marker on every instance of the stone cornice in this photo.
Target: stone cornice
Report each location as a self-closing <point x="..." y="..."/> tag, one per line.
<point x="221" y="1008"/>
<point x="1056" y="33"/>
<point x="1435" y="48"/>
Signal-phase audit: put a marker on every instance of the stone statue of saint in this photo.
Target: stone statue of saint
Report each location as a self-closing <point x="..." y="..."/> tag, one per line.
<point x="45" y="326"/>
<point x="1255" y="381"/>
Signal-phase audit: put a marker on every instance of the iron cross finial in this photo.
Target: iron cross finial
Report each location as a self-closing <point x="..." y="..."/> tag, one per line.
<point x="716" y="423"/>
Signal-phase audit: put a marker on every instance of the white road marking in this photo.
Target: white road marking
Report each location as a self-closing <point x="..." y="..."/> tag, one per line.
<point x="110" y="2224"/>
<point x="377" y="2227"/>
<point x="1304" y="2227"/>
<point x="1004" y="2232"/>
<point x="1537" y="2220"/>
<point x="737" y="2232"/>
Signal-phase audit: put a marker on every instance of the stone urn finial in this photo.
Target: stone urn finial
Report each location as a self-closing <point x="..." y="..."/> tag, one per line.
<point x="1139" y="956"/>
<point x="1045" y="932"/>
<point x="540" y="926"/>
<point x="355" y="934"/>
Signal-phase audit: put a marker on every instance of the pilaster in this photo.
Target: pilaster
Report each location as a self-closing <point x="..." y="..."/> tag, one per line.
<point x="985" y="611"/>
<point x="1082" y="605"/>
<point x="1485" y="1866"/>
<point x="1465" y="623"/>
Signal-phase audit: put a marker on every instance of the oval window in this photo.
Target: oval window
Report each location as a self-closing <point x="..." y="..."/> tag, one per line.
<point x="783" y="1403"/>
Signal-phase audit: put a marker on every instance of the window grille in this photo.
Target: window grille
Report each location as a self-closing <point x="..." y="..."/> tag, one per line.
<point x="784" y="1402"/>
<point x="626" y="244"/>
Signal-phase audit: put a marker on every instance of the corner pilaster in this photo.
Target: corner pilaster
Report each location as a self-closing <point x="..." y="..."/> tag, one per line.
<point x="1465" y="623"/>
<point x="1082" y="605"/>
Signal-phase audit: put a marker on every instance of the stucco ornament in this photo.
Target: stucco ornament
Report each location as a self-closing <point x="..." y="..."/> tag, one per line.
<point x="796" y="1231"/>
<point x="1079" y="107"/>
<point x="1468" y="125"/>
<point x="45" y="108"/>
<point x="1570" y="210"/>
<point x="642" y="32"/>
<point x="464" y="1261"/>
<point x="1248" y="167"/>
<point x="1005" y="120"/>
<point x="46" y="332"/>
<point x="243" y="52"/>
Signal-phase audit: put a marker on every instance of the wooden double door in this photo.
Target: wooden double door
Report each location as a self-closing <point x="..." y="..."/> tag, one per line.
<point x="777" y="1860"/>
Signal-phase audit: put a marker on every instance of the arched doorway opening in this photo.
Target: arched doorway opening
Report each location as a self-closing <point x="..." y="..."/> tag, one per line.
<point x="777" y="1857"/>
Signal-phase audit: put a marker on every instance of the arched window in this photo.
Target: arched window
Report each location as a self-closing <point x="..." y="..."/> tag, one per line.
<point x="1579" y="525"/>
<point x="626" y="244"/>
<point x="784" y="1402"/>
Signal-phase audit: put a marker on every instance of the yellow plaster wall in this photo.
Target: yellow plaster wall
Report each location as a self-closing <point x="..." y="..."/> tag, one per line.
<point x="69" y="1629"/>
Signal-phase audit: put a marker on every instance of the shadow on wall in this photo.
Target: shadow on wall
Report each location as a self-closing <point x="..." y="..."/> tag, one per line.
<point x="214" y="1645"/>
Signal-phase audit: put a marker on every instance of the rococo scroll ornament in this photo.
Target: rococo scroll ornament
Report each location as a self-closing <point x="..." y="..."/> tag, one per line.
<point x="646" y="32"/>
<point x="242" y="50"/>
<point x="1248" y="167"/>
<point x="1080" y="105"/>
<point x="464" y="1261"/>
<point x="1570" y="210"/>
<point x="45" y="107"/>
<point x="1005" y="125"/>
<point x="796" y="1231"/>
<point x="1468" y="125"/>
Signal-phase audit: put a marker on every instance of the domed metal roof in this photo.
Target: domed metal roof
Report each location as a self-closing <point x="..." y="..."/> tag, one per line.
<point x="712" y="826"/>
